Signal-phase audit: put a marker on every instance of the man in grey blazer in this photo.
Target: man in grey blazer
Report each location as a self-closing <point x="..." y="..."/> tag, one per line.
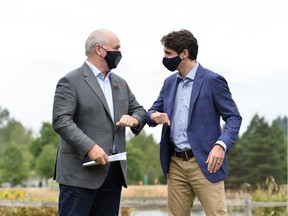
<point x="92" y="106"/>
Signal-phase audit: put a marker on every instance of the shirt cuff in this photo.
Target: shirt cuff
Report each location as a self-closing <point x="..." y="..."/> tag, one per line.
<point x="221" y="143"/>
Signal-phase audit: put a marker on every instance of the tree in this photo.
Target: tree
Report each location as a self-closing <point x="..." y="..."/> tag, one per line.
<point x="16" y="132"/>
<point x="4" y="117"/>
<point x="259" y="153"/>
<point x="14" y="157"/>
<point x="12" y="130"/>
<point x="236" y="170"/>
<point x="45" y="162"/>
<point x="44" y="149"/>
<point x="277" y="135"/>
<point x="47" y="136"/>
<point x="13" y="167"/>
<point x="134" y="165"/>
<point x="149" y="157"/>
<point x="282" y="123"/>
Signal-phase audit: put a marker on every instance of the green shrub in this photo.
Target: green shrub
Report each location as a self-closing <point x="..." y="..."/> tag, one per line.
<point x="271" y="193"/>
<point x="28" y="211"/>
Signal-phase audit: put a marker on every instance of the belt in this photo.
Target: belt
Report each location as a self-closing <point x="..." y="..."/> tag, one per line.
<point x="185" y="155"/>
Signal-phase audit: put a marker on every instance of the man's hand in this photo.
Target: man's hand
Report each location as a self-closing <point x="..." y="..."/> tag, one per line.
<point x="97" y="154"/>
<point x="160" y="118"/>
<point x="128" y="121"/>
<point x="215" y="158"/>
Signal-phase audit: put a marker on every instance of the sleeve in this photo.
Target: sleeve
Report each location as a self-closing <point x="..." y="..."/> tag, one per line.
<point x="64" y="108"/>
<point x="228" y="111"/>
<point x="136" y="111"/>
<point x="158" y="106"/>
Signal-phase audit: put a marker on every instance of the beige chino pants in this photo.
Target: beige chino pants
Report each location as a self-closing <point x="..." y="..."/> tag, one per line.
<point x="185" y="182"/>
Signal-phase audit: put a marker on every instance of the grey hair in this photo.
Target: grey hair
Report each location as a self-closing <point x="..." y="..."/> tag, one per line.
<point x="96" y="37"/>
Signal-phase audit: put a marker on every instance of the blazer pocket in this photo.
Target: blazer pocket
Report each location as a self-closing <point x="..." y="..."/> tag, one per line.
<point x="124" y="105"/>
<point x="122" y="101"/>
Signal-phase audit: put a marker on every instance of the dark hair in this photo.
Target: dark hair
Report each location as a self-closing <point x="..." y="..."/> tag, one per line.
<point x="180" y="40"/>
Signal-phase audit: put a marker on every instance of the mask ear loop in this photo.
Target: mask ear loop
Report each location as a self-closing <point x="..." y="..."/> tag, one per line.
<point x="98" y="52"/>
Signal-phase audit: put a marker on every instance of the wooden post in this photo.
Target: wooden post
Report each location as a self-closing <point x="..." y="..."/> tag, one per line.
<point x="124" y="211"/>
<point x="248" y="206"/>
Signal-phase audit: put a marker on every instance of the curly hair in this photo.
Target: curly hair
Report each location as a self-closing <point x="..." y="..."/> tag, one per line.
<point x="180" y="40"/>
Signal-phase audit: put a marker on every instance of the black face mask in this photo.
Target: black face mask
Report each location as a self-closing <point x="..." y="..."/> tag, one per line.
<point x="171" y="63"/>
<point x="113" y="58"/>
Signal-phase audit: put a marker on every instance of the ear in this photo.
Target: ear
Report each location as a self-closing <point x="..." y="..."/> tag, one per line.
<point x="185" y="53"/>
<point x="97" y="49"/>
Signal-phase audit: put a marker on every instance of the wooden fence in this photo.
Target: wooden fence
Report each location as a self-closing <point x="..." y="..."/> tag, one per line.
<point x="154" y="203"/>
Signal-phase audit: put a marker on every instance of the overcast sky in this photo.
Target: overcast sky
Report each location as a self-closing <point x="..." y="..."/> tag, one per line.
<point x="42" y="40"/>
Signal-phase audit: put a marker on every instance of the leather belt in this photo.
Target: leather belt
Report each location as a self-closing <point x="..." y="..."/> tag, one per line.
<point x="184" y="155"/>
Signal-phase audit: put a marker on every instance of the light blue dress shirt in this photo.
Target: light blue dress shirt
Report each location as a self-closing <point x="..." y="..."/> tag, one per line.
<point x="180" y="115"/>
<point x="106" y="88"/>
<point x="179" y="120"/>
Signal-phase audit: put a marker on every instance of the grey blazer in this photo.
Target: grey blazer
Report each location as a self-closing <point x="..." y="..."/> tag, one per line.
<point x="82" y="118"/>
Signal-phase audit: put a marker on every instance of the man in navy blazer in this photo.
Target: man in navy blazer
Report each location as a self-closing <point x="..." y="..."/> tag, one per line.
<point x="193" y="147"/>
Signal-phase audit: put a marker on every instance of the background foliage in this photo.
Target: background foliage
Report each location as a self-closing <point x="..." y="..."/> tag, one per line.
<point x="261" y="151"/>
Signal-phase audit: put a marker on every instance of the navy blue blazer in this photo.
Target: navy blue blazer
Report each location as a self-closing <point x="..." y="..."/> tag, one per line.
<point x="210" y="100"/>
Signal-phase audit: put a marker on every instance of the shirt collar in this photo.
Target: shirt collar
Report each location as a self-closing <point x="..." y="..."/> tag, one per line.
<point x="191" y="74"/>
<point x="96" y="71"/>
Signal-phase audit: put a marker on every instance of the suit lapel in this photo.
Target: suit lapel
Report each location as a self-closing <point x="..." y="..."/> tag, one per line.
<point x="197" y="83"/>
<point x="94" y="85"/>
<point x="171" y="98"/>
<point x="116" y="95"/>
